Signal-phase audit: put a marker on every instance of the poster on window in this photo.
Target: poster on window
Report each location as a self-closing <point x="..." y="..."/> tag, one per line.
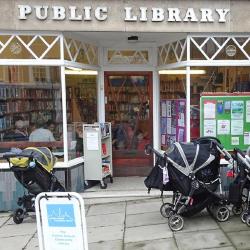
<point x="237" y="110"/>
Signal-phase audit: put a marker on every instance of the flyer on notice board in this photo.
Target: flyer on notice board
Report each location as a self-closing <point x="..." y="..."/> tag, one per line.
<point x="237" y="110"/>
<point x="209" y="109"/>
<point x="210" y="128"/>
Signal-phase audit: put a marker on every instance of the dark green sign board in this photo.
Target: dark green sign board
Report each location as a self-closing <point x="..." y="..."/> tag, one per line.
<point x="227" y="118"/>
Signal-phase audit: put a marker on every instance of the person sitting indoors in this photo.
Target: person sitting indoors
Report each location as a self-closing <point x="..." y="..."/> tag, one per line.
<point x="41" y="134"/>
<point x="19" y="134"/>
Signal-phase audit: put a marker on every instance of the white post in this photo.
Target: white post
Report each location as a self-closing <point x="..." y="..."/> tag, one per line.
<point x="64" y="104"/>
<point x="100" y="88"/>
<point x="188" y="109"/>
<point x="156" y="102"/>
<point x="156" y="110"/>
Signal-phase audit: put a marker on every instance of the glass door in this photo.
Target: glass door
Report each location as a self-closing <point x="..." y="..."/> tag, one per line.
<point x="128" y="104"/>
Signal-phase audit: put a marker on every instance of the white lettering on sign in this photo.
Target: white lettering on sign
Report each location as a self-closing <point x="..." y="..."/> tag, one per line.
<point x="141" y="14"/>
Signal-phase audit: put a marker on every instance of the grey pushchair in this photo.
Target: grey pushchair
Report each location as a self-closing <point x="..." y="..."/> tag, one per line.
<point x="192" y="172"/>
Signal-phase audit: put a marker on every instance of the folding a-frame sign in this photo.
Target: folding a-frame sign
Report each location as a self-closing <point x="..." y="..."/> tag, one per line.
<point x="61" y="222"/>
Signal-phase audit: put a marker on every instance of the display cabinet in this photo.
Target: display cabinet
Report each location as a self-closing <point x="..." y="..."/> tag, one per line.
<point x="97" y="143"/>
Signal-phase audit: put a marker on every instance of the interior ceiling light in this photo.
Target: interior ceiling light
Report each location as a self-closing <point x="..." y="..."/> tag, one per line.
<point x="182" y="72"/>
<point x="77" y="71"/>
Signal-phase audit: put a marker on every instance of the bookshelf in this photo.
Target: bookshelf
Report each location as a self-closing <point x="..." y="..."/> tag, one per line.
<point x="98" y="153"/>
<point x="29" y="101"/>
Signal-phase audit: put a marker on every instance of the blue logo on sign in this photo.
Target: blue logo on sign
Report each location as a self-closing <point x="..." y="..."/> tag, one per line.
<point x="61" y="215"/>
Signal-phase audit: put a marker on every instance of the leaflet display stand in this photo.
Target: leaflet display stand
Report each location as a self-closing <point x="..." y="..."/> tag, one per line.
<point x="98" y="152"/>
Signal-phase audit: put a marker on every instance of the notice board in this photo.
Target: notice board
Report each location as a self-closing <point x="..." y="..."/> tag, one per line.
<point x="226" y="117"/>
<point x="173" y="121"/>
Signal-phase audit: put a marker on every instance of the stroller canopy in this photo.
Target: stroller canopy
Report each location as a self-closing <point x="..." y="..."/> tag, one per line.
<point x="190" y="157"/>
<point x="41" y="154"/>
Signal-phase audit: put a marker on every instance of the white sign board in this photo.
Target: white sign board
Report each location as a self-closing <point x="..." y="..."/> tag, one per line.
<point x="61" y="222"/>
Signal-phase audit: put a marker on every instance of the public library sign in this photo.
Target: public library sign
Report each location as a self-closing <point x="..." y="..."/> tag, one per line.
<point x="127" y="16"/>
<point x="130" y="14"/>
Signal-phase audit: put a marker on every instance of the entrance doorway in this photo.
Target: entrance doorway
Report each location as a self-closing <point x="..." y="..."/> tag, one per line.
<point x="128" y="105"/>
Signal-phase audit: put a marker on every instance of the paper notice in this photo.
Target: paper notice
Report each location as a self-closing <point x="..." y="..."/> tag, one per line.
<point x="247" y="138"/>
<point x="210" y="128"/>
<point x="236" y="127"/>
<point x="169" y="124"/>
<point x="168" y="104"/>
<point x="247" y="111"/>
<point x="92" y="141"/>
<point x="237" y="110"/>
<point x="163" y="109"/>
<point x="163" y="139"/>
<point x="223" y="127"/>
<point x="235" y="140"/>
<point x="209" y="109"/>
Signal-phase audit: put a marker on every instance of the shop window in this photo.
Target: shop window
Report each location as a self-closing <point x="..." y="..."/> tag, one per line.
<point x="231" y="51"/>
<point x="80" y="52"/>
<point x="172" y="52"/>
<point x="29" y="47"/>
<point x="30" y="102"/>
<point x="128" y="56"/>
<point x="81" y="91"/>
<point x="172" y="109"/>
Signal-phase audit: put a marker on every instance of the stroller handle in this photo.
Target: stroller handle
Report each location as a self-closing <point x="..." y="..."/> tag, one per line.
<point x="149" y="149"/>
<point x="240" y="155"/>
<point x="7" y="156"/>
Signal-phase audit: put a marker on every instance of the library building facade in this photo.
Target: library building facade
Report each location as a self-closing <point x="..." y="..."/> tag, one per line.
<point x="157" y="71"/>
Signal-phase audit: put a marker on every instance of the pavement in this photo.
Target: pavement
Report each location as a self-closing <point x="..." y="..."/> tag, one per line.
<point x="133" y="221"/>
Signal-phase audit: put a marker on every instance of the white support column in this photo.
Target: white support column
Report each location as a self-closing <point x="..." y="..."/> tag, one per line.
<point x="156" y="100"/>
<point x="188" y="109"/>
<point x="156" y="110"/>
<point x="188" y="82"/>
<point x="64" y="104"/>
<point x="100" y="88"/>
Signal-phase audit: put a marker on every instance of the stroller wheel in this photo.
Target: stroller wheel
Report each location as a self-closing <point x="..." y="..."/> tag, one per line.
<point x="237" y="210"/>
<point x="176" y="222"/>
<point x="248" y="220"/>
<point x="166" y="210"/>
<point x="244" y="216"/>
<point x="18" y="216"/>
<point x="222" y="213"/>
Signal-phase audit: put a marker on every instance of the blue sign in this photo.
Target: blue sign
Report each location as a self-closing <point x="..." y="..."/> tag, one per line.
<point x="61" y="215"/>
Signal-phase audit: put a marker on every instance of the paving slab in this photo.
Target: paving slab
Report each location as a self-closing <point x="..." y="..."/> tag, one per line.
<point x="111" y="233"/>
<point x="33" y="244"/>
<point x="143" y="207"/>
<point x="135" y="220"/>
<point x="201" y="239"/>
<point x="220" y="248"/>
<point x="162" y="244"/>
<point x="145" y="233"/>
<point x="17" y="230"/>
<point x="104" y="245"/>
<point x="3" y="220"/>
<point x="105" y="220"/>
<point x="241" y="240"/>
<point x="199" y="223"/>
<point x="14" y="242"/>
<point x="106" y="208"/>
<point x="234" y="224"/>
<point x="5" y="214"/>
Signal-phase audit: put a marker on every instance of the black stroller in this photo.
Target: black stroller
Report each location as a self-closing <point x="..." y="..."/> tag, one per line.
<point x="33" y="168"/>
<point x="192" y="172"/>
<point x="239" y="190"/>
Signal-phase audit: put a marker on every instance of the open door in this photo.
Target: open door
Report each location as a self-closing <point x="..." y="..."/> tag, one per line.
<point x="128" y="104"/>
